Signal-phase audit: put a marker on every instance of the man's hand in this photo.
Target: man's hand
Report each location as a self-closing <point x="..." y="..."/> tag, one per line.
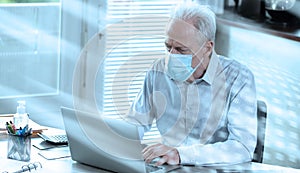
<point x="167" y="154"/>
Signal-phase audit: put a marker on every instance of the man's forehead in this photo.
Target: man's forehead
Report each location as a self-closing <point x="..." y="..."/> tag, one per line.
<point x="184" y="32"/>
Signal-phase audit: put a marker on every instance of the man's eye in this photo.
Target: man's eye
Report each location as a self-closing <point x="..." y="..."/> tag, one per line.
<point x="182" y="50"/>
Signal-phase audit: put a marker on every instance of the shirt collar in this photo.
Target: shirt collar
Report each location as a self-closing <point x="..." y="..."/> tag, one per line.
<point x="211" y="69"/>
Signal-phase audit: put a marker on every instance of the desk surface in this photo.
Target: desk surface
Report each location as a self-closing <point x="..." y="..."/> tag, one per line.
<point x="68" y="165"/>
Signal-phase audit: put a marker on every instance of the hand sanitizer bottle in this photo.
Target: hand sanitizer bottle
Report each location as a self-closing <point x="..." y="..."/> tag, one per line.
<point x="21" y="117"/>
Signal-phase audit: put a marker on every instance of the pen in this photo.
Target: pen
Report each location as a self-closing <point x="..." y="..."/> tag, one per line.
<point x="9" y="128"/>
<point x="18" y="132"/>
<point x="28" y="132"/>
<point x="13" y="126"/>
<point x="24" y="130"/>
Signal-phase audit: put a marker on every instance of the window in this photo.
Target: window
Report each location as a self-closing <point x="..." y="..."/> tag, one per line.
<point x="29" y="44"/>
<point x="29" y="53"/>
<point x="134" y="39"/>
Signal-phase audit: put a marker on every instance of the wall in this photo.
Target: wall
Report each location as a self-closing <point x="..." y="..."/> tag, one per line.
<point x="275" y="64"/>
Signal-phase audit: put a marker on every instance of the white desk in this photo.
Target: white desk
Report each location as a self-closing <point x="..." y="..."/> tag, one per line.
<point x="68" y="165"/>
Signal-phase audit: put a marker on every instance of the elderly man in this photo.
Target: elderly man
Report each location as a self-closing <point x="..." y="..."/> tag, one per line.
<point x="204" y="104"/>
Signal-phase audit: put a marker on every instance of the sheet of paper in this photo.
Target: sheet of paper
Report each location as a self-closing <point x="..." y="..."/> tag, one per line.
<point x="56" y="153"/>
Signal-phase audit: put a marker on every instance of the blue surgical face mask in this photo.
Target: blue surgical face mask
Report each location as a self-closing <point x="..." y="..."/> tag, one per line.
<point x="178" y="66"/>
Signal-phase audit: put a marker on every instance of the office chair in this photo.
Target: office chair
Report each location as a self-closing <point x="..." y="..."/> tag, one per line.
<point x="261" y="128"/>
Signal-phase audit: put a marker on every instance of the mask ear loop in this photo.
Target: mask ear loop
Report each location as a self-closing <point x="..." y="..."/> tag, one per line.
<point x="203" y="38"/>
<point x="202" y="59"/>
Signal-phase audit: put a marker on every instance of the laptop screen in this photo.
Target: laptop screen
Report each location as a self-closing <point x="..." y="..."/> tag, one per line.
<point x="103" y="142"/>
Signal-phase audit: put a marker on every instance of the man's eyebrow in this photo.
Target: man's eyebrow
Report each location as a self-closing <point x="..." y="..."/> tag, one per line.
<point x="179" y="46"/>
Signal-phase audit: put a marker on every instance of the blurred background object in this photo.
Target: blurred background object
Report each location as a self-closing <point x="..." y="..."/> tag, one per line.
<point x="217" y="6"/>
<point x="284" y="12"/>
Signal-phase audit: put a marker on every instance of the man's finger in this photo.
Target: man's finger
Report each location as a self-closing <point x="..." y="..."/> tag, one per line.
<point x="147" y="153"/>
<point x="150" y="158"/>
<point x="149" y="147"/>
<point x="162" y="160"/>
<point x="154" y="150"/>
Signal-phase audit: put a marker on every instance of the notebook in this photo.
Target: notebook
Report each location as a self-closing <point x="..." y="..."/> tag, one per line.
<point x="106" y="143"/>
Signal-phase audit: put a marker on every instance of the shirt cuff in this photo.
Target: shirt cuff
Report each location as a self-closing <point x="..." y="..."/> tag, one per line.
<point x="186" y="155"/>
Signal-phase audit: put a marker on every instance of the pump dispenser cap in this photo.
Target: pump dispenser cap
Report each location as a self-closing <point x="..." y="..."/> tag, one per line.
<point x="21" y="109"/>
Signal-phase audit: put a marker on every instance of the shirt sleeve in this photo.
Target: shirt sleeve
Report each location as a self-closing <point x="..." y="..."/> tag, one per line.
<point x="140" y="111"/>
<point x="241" y="126"/>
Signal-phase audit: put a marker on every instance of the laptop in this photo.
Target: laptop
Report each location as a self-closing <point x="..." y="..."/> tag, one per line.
<point x="106" y="143"/>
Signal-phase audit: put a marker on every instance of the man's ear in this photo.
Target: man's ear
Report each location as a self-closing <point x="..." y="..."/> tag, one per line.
<point x="209" y="46"/>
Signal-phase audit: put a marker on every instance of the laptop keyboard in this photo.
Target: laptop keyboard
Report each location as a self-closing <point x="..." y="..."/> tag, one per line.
<point x="150" y="168"/>
<point x="55" y="139"/>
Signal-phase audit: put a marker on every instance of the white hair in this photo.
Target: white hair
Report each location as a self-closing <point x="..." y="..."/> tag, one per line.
<point x="203" y="18"/>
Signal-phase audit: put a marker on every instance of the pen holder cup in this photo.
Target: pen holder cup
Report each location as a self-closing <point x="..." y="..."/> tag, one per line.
<point x="19" y="147"/>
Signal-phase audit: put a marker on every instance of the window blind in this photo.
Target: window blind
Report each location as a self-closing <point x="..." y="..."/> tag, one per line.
<point x="134" y="39"/>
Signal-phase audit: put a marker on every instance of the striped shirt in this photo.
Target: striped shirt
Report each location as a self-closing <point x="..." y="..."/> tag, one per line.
<point x="210" y="121"/>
